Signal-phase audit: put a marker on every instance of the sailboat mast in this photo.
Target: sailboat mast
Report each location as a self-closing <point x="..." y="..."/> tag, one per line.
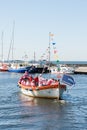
<point x="34" y="57"/>
<point x="12" y="43"/>
<point x="13" y="40"/>
<point x="2" y="46"/>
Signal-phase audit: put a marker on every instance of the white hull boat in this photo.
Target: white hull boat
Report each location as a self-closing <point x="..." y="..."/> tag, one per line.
<point x="52" y="91"/>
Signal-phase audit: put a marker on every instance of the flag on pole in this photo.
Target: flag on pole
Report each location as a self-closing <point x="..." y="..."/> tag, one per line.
<point x="53" y="43"/>
<point x="67" y="79"/>
<point x="55" y="51"/>
<point x="51" y="34"/>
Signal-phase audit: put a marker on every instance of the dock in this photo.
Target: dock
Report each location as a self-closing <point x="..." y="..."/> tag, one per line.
<point x="81" y="70"/>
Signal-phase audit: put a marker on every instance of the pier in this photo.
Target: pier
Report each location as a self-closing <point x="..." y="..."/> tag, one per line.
<point x="81" y="70"/>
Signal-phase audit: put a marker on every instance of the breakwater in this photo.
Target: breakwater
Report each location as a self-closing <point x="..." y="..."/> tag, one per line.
<point x="79" y="68"/>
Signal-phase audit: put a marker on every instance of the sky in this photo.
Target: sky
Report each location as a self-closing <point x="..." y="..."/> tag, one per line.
<point x="32" y="20"/>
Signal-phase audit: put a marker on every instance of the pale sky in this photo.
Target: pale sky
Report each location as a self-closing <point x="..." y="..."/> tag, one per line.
<point x="34" y="19"/>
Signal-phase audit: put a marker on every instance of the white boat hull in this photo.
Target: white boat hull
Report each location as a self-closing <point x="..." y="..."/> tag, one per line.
<point x="63" y="70"/>
<point x="46" y="93"/>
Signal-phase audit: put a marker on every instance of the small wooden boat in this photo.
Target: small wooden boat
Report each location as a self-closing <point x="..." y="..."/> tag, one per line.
<point x="42" y="89"/>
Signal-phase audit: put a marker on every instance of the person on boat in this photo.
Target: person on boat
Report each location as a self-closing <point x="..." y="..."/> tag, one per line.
<point x="50" y="81"/>
<point x="25" y="75"/>
<point x="36" y="79"/>
<point x="30" y="78"/>
<point x="42" y="81"/>
<point x="33" y="83"/>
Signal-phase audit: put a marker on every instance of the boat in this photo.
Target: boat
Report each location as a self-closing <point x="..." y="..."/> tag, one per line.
<point x="62" y="69"/>
<point x="17" y="68"/>
<point x="3" y="67"/>
<point x="40" y="87"/>
<point x="38" y="69"/>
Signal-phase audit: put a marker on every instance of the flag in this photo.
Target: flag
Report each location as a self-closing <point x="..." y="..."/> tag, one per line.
<point x="67" y="79"/>
<point x="53" y="43"/>
<point x="51" y="34"/>
<point x="55" y="51"/>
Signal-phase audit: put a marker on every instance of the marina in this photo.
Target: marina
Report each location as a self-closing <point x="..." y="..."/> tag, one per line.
<point x="79" y="67"/>
<point x="43" y="65"/>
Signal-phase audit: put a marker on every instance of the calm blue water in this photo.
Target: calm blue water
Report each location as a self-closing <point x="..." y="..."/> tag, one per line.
<point x="19" y="112"/>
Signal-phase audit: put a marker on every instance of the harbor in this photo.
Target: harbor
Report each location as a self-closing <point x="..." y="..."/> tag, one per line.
<point x="75" y="67"/>
<point x="43" y="65"/>
<point x="79" y="68"/>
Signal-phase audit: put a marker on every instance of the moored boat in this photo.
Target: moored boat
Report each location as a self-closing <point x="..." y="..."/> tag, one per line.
<point x="38" y="69"/>
<point x="3" y="67"/>
<point x="17" y="68"/>
<point x="63" y="69"/>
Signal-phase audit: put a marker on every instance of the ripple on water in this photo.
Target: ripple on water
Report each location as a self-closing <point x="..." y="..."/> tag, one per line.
<point x="19" y="112"/>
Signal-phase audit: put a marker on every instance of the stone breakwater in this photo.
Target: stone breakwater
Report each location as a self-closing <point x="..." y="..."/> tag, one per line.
<point x="81" y="70"/>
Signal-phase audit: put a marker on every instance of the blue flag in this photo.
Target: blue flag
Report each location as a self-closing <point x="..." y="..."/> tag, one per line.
<point x="67" y="79"/>
<point x="53" y="43"/>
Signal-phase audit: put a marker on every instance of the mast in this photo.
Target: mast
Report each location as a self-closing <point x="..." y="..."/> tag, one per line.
<point x="11" y="43"/>
<point x="13" y="40"/>
<point x="34" y="57"/>
<point x="2" y="46"/>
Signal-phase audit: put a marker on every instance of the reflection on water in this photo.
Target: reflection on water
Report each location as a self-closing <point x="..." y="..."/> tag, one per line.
<point x="20" y="112"/>
<point x="61" y="114"/>
<point x="30" y="101"/>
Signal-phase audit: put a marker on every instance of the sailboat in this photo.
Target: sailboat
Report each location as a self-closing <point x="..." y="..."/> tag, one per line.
<point x="14" y="66"/>
<point x="40" y="87"/>
<point x="3" y="65"/>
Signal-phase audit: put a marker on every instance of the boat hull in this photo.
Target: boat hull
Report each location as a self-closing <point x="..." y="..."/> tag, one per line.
<point x="3" y="70"/>
<point x="3" y="67"/>
<point x="20" y="70"/>
<point x="52" y="92"/>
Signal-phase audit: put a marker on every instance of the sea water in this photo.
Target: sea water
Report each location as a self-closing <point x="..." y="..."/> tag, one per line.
<point x="20" y="112"/>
